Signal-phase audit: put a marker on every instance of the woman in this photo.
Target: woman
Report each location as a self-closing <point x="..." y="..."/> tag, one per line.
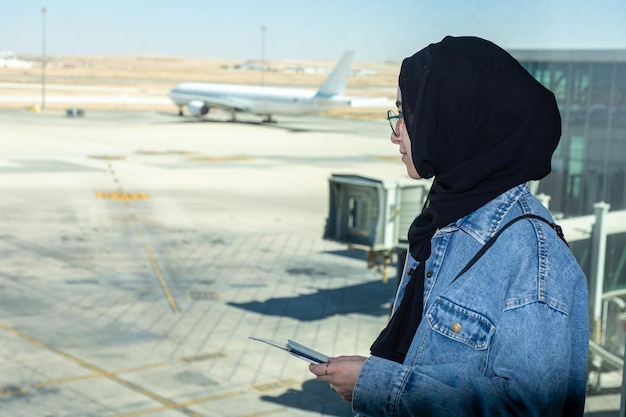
<point x="491" y="316"/>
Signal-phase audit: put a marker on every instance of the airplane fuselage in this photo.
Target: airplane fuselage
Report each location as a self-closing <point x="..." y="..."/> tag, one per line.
<point x="256" y="99"/>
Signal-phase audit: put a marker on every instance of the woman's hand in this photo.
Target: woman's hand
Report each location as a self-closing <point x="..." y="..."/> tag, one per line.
<point x="341" y="373"/>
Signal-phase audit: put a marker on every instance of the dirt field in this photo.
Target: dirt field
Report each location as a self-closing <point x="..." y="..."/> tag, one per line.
<point x="110" y="81"/>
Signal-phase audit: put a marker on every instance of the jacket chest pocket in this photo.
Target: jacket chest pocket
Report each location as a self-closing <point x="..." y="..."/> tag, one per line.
<point x="456" y="334"/>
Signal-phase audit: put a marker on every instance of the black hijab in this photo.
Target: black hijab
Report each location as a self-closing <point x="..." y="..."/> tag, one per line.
<point x="480" y="124"/>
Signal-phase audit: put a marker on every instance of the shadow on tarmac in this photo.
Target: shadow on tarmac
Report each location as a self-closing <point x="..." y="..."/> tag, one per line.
<point x="371" y="298"/>
<point x="315" y="396"/>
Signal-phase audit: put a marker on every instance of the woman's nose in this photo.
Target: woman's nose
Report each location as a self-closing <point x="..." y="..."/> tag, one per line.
<point x="395" y="139"/>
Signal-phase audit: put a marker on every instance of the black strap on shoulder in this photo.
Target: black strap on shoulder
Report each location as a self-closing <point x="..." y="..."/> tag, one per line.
<point x="491" y="241"/>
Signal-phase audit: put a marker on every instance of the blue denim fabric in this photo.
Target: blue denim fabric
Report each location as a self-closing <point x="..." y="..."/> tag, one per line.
<point x="507" y="338"/>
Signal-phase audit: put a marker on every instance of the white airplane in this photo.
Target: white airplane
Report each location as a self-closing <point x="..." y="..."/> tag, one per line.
<point x="265" y="101"/>
<point x="8" y="59"/>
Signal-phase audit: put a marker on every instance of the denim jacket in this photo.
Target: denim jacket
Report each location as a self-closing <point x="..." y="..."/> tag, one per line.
<point x="509" y="337"/>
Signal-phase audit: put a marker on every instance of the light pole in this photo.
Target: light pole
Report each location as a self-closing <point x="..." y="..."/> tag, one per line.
<point x="263" y="30"/>
<point x="43" y="59"/>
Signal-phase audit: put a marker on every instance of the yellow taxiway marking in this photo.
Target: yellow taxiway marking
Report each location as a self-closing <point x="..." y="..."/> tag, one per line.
<point x="203" y="357"/>
<point x="221" y="158"/>
<point x="273" y="385"/>
<point x="107" y="157"/>
<point x="184" y="404"/>
<point x="97" y="375"/>
<point x="169" y="404"/>
<point x="166" y="289"/>
<point x="122" y="196"/>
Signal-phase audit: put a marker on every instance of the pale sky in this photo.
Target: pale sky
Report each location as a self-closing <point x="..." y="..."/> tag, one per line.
<point x="312" y="29"/>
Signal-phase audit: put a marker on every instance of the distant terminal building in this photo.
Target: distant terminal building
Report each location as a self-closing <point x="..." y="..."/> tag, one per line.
<point x="590" y="164"/>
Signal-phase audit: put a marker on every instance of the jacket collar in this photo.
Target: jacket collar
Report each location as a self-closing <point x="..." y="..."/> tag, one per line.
<point x="483" y="223"/>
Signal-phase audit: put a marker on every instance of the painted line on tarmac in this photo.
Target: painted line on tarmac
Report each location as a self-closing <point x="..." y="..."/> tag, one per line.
<point x="126" y="198"/>
<point x="166" y="289"/>
<point x="122" y="196"/>
<point x="93" y="376"/>
<point x="203" y="357"/>
<point x="274" y="385"/>
<point x="107" y="157"/>
<point x="184" y="403"/>
<point x="169" y="404"/>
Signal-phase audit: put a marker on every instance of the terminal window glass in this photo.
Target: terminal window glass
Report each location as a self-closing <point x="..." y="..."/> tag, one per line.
<point x="575" y="168"/>
<point x="615" y="262"/>
<point x="580" y="84"/>
<point x="558" y="81"/>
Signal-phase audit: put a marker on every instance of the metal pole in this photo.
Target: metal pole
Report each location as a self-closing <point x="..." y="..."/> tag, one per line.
<point x="622" y="402"/>
<point x="598" y="256"/>
<point x="263" y="30"/>
<point x="43" y="59"/>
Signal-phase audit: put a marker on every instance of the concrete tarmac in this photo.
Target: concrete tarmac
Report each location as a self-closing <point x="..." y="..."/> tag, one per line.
<point x="140" y="250"/>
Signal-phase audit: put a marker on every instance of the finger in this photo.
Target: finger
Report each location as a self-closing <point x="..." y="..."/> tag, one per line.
<point x="317" y="369"/>
<point x="326" y="374"/>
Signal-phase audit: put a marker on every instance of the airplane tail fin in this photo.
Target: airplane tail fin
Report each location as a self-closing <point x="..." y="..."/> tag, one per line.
<point x="335" y="84"/>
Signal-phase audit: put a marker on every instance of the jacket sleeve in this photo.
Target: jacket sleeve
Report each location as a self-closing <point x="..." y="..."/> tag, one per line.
<point x="536" y="379"/>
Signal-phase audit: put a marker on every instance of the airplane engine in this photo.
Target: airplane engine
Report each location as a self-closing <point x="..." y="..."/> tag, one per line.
<point x="197" y="108"/>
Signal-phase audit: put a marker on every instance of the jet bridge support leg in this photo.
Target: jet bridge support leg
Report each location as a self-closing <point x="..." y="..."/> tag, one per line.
<point x="379" y="259"/>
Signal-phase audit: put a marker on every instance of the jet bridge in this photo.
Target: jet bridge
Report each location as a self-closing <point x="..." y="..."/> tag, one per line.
<point x="373" y="214"/>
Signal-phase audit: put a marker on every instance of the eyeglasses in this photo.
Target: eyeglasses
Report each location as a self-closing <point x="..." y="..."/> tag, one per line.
<point x="394" y="121"/>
